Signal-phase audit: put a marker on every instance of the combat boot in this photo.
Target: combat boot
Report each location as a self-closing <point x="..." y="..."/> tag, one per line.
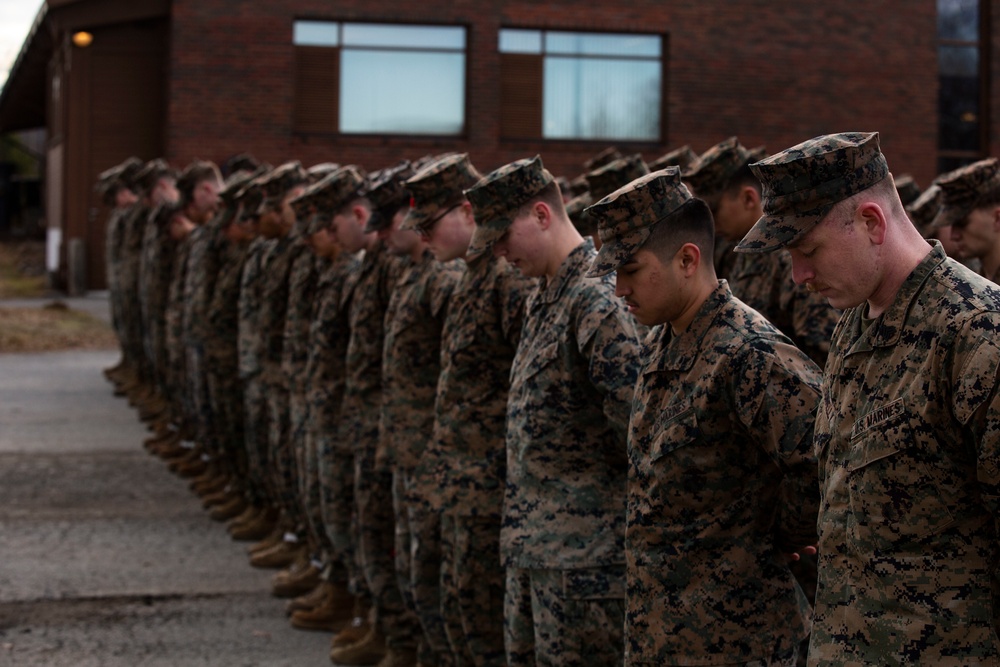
<point x="228" y="510"/>
<point x="369" y="651"/>
<point x="278" y="556"/>
<point x="334" y="612"/>
<point x="314" y="598"/>
<point x="299" y="578"/>
<point x="256" y="528"/>
<point x="399" y="657"/>
<point x="276" y="535"/>
<point x="356" y="630"/>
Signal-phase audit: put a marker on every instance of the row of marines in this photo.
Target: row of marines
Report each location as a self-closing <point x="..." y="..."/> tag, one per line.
<point x="481" y="422"/>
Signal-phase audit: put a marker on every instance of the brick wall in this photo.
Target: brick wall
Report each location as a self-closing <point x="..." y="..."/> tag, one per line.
<point x="773" y="73"/>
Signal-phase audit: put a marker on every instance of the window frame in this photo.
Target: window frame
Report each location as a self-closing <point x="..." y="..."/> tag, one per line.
<point x="982" y="44"/>
<point x="664" y="43"/>
<point x="339" y="47"/>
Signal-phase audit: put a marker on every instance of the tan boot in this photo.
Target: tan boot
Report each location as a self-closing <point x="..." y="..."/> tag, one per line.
<point x="354" y="631"/>
<point x="369" y="651"/>
<point x="228" y="510"/>
<point x="255" y="529"/>
<point x="299" y="578"/>
<point x="278" y="556"/>
<point x="276" y="535"/>
<point x="334" y="611"/>
<point x="310" y="600"/>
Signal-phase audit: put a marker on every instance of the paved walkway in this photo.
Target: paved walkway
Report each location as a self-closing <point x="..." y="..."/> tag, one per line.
<point x="107" y="558"/>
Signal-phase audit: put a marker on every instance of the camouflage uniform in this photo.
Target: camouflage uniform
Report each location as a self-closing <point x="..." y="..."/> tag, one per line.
<point x="174" y="336"/>
<point x="964" y="190"/>
<point x="564" y="511"/>
<point x="359" y="419"/>
<point x="332" y="458"/>
<point x="129" y="272"/>
<point x="202" y="267"/>
<point x="159" y="256"/>
<point x="728" y="380"/>
<point x="222" y="359"/>
<point x="906" y="439"/>
<point x="411" y="363"/>
<point x="249" y="342"/>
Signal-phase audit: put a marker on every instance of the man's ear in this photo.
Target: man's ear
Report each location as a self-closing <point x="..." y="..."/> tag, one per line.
<point x="543" y="214"/>
<point x="873" y="218"/>
<point x="688" y="257"/>
<point x="749" y="198"/>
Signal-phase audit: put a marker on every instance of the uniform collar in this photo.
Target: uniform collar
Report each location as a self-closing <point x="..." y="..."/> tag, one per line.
<point x="887" y="327"/>
<point x="678" y="352"/>
<point x="575" y="265"/>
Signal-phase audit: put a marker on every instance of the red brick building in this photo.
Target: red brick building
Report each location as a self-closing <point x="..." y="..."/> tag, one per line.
<point x="370" y="82"/>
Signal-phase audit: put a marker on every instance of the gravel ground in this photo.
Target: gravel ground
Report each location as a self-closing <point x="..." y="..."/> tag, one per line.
<point x="108" y="559"/>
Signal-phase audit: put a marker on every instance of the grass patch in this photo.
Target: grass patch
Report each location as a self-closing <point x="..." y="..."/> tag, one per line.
<point x="54" y="327"/>
<point x="22" y="270"/>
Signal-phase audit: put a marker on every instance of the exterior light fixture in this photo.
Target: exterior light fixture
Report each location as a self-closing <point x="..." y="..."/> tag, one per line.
<point x="82" y="39"/>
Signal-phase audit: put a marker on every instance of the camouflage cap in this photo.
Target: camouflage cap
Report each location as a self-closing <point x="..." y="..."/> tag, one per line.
<point x="608" y="178"/>
<point x="907" y="189"/>
<point x="681" y="157"/>
<point x="967" y="188"/>
<point x="497" y="197"/>
<point x="438" y="187"/>
<point x="241" y="162"/>
<point x="710" y="173"/>
<point x="250" y="197"/>
<point x="579" y="185"/>
<point x="388" y="194"/>
<point x="758" y="153"/>
<point x="121" y="175"/>
<point x="625" y="218"/>
<point x="607" y="156"/>
<point x="236" y="182"/>
<point x="800" y="185"/>
<point x="153" y="171"/>
<point x="282" y="179"/>
<point x="924" y="209"/>
<point x="328" y="195"/>
<point x="316" y="172"/>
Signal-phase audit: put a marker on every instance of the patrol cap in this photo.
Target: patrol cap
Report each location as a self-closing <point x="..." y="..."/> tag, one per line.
<point x="119" y="176"/>
<point x="250" y="197"/>
<point x="608" y="155"/>
<point x="924" y="209"/>
<point x="328" y="195"/>
<point x="282" y="179"/>
<point x="438" y="187"/>
<point x="237" y="181"/>
<point x="600" y="183"/>
<point x="387" y="194"/>
<point x="194" y="173"/>
<point x="153" y="171"/>
<point x="579" y="185"/>
<point x="709" y="175"/>
<point x="242" y="162"/>
<point x="967" y="188"/>
<point x="681" y="157"/>
<point x="625" y="218"/>
<point x="497" y="197"/>
<point x="757" y="153"/>
<point x="800" y="185"/>
<point x="907" y="188"/>
<point x="316" y="172"/>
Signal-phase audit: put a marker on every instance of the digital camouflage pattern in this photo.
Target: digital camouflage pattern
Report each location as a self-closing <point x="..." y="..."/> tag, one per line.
<point x="564" y="617"/>
<point x="680" y="157"/>
<point x="801" y="184"/>
<point x="764" y="282"/>
<point x="606" y="156"/>
<point x="722" y="484"/>
<point x="478" y="342"/>
<point x="570" y="396"/>
<point x="438" y="187"/>
<point x="625" y="218"/>
<point x="906" y="437"/>
<point x="497" y="197"/>
<point x="601" y="182"/>
<point x="174" y="337"/>
<point x="967" y="188"/>
<point x="709" y="176"/>
<point x="131" y="290"/>
<point x="411" y="363"/>
<point x="387" y="194"/>
<point x="325" y="377"/>
<point x="906" y="188"/>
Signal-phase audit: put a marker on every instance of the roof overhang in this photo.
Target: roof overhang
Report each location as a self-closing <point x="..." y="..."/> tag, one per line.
<point x="22" y="100"/>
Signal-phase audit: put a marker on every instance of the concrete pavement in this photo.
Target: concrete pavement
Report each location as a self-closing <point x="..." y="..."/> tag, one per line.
<point x="107" y="558"/>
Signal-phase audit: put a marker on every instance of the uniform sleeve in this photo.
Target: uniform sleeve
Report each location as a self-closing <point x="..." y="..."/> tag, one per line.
<point x="607" y="338"/>
<point x="515" y="290"/>
<point x="445" y="278"/>
<point x="777" y="391"/>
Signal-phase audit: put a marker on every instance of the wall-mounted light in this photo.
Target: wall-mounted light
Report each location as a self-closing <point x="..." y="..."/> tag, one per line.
<point x="82" y="39"/>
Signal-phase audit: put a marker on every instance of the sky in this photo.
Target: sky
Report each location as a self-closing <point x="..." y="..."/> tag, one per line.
<point x="16" y="17"/>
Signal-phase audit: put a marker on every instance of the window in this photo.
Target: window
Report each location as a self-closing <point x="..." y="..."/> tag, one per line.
<point x="962" y="93"/>
<point x="370" y="78"/>
<point x="575" y="85"/>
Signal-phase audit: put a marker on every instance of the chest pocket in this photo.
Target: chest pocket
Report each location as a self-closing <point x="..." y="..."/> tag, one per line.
<point x="894" y="494"/>
<point x="673" y="433"/>
<point x="536" y="361"/>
